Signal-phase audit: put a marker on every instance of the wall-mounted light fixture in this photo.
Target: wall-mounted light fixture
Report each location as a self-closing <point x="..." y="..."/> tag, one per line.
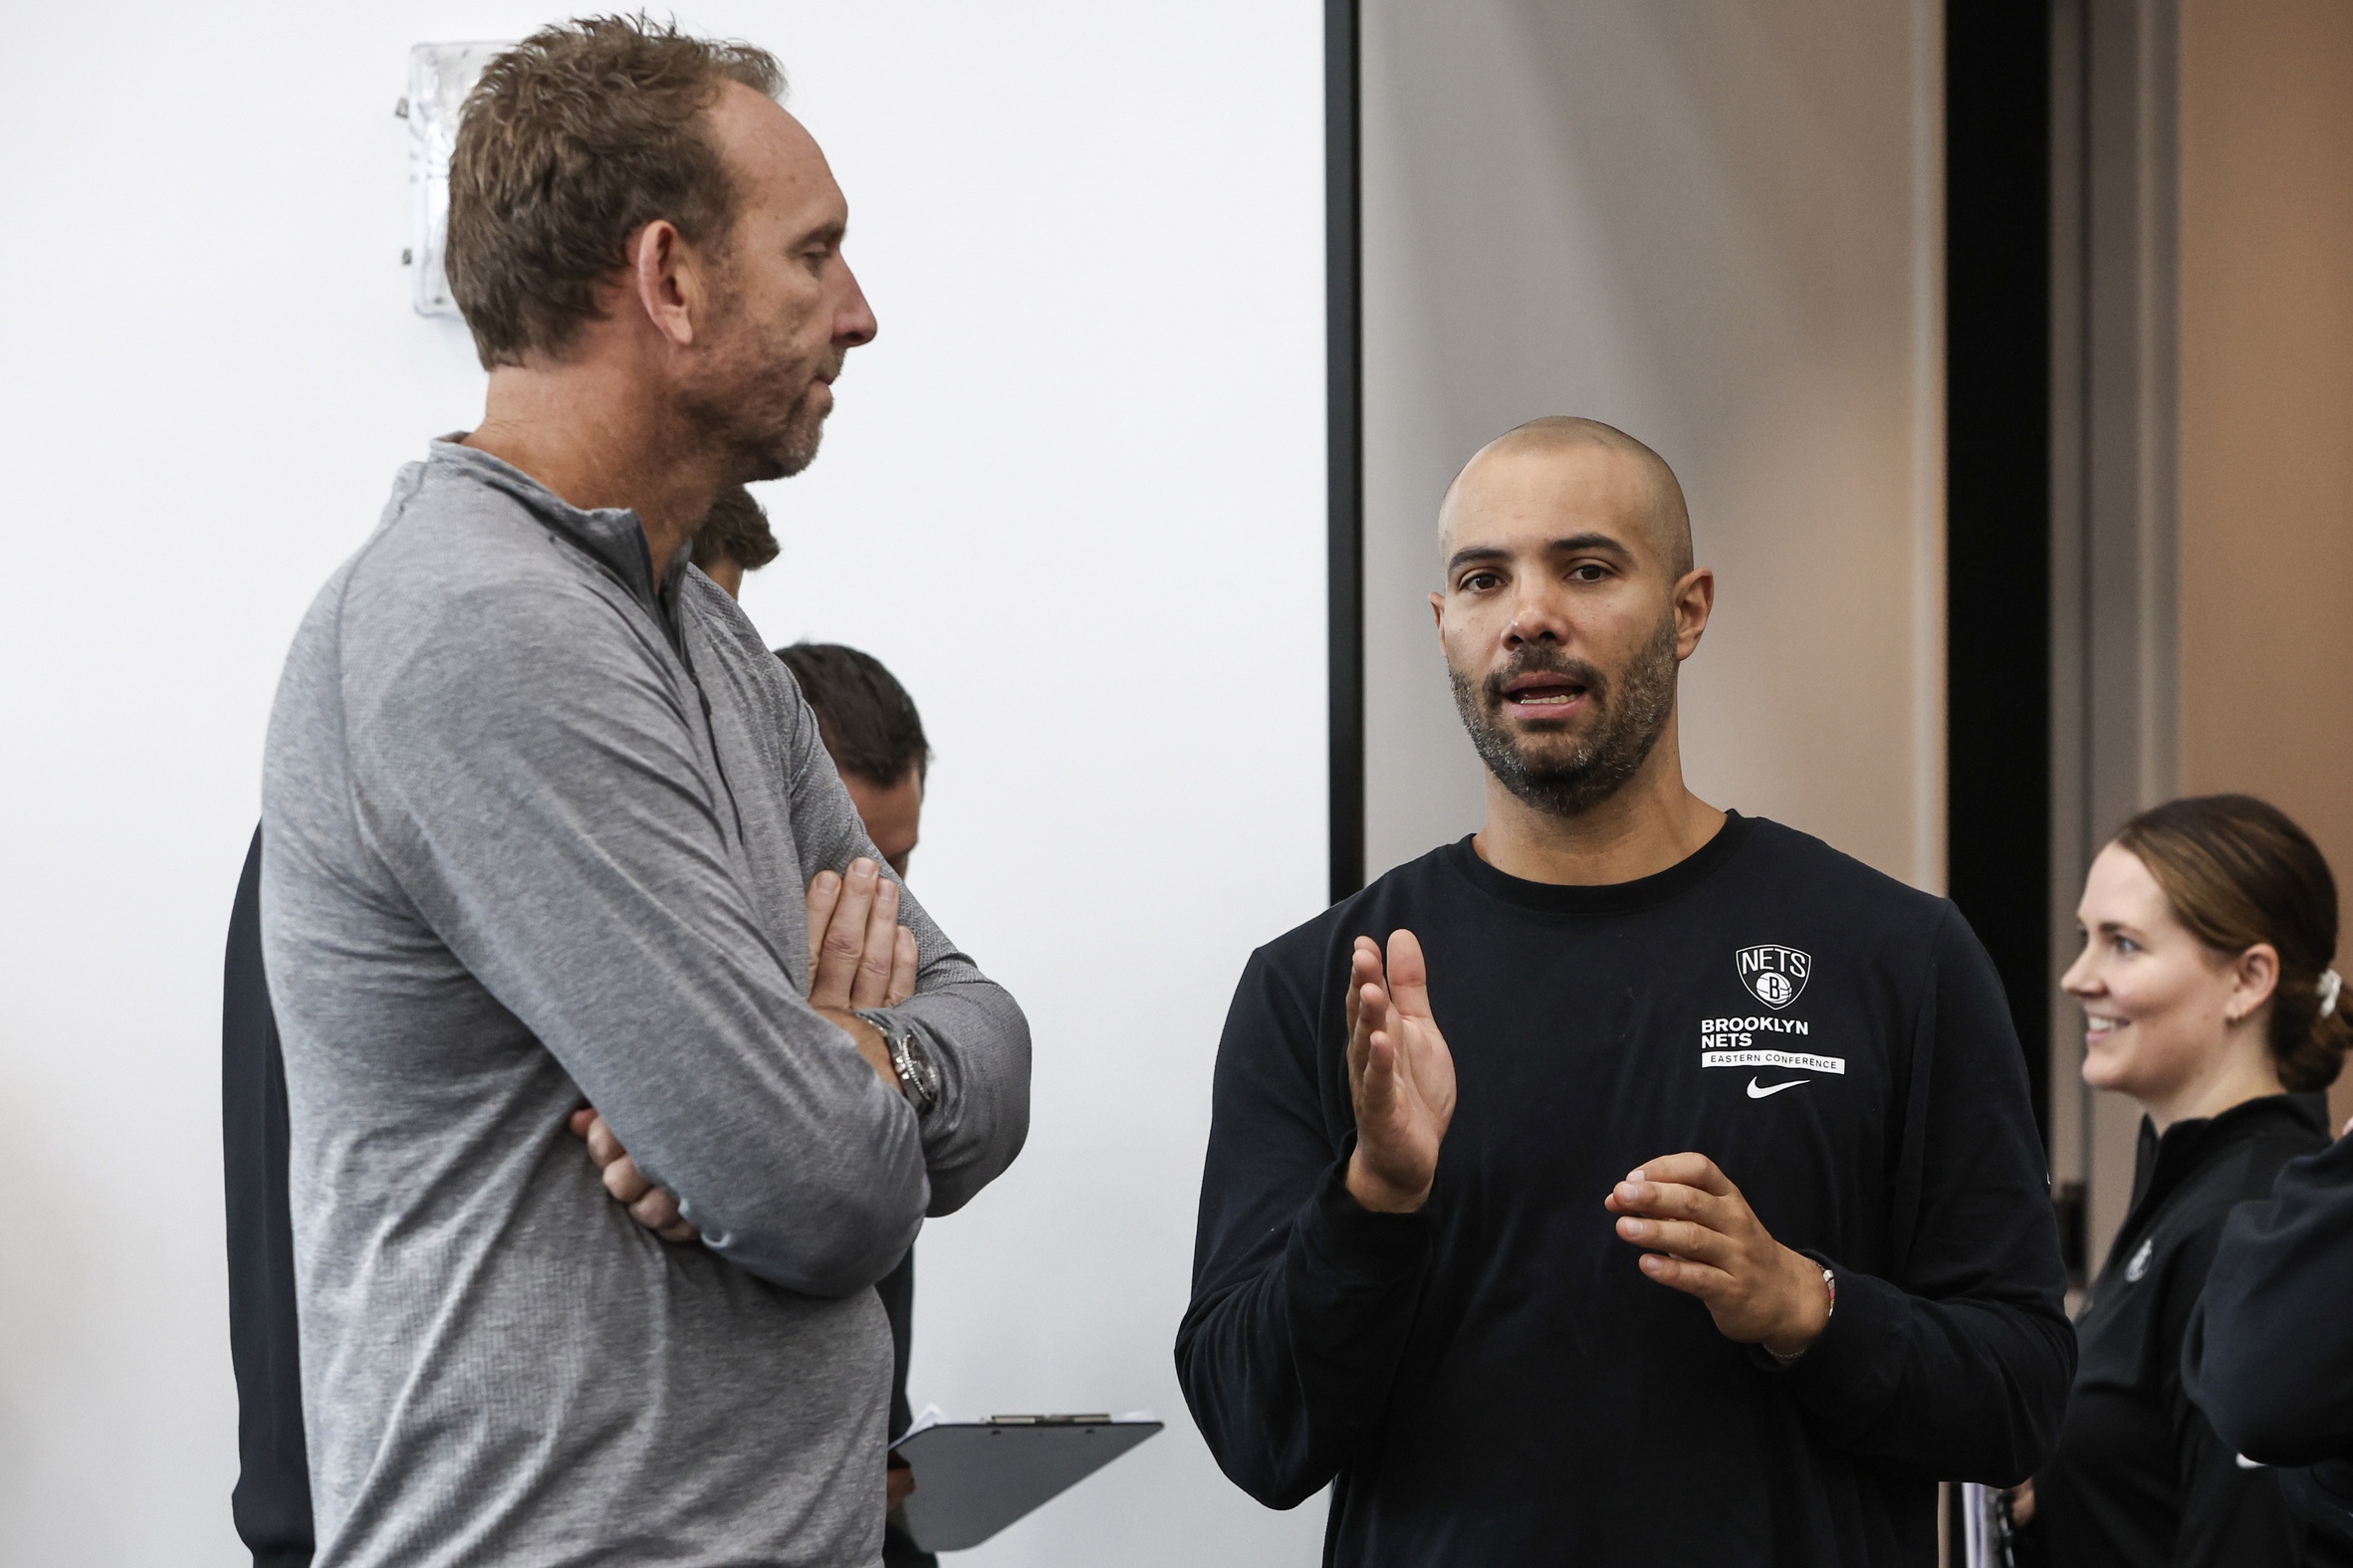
<point x="439" y="77"/>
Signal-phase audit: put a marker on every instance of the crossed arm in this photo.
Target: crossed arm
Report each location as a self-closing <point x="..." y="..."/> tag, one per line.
<point x="859" y="957"/>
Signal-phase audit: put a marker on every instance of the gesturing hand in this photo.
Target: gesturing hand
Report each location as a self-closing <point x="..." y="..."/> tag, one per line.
<point x="1400" y="1077"/>
<point x="1706" y="1241"/>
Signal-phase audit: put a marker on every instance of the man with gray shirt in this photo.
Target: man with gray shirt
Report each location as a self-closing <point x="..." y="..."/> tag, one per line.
<point x="539" y="809"/>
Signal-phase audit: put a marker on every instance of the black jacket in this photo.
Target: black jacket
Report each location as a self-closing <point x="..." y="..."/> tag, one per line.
<point x="1493" y="1380"/>
<point x="2270" y="1352"/>
<point x="2140" y="1478"/>
<point x="272" y="1501"/>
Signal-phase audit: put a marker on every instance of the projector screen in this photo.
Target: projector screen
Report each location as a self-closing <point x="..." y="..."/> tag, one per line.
<point x="1073" y="497"/>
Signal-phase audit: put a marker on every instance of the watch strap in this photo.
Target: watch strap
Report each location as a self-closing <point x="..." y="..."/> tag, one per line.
<point x="919" y="1077"/>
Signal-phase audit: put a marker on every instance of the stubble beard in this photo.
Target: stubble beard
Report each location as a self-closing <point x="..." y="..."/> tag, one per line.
<point x="795" y="446"/>
<point x="758" y="374"/>
<point x="1630" y="714"/>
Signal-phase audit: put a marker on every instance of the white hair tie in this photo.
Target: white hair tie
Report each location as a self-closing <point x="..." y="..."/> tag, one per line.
<point x="2330" y="983"/>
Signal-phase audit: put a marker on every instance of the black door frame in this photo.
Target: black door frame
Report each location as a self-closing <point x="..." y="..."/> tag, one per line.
<point x="1998" y="520"/>
<point x="1343" y="274"/>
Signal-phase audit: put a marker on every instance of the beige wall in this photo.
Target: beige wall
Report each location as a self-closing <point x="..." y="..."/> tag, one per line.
<point x="2266" y="410"/>
<point x="1716" y="224"/>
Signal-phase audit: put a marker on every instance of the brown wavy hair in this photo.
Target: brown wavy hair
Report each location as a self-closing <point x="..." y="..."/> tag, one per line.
<point x="2237" y="871"/>
<point x="572" y="141"/>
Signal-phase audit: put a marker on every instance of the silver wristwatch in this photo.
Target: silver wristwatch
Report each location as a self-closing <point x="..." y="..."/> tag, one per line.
<point x="918" y="1074"/>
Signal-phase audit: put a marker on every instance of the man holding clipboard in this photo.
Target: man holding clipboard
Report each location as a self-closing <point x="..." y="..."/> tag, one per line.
<point x="1634" y="1182"/>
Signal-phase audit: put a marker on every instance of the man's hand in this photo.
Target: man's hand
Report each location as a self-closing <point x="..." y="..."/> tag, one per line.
<point x="1705" y="1240"/>
<point x="899" y="1484"/>
<point x="859" y="956"/>
<point x="1400" y="1077"/>
<point x="655" y="1208"/>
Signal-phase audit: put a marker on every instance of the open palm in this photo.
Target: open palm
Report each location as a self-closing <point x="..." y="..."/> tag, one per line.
<point x="1400" y="1075"/>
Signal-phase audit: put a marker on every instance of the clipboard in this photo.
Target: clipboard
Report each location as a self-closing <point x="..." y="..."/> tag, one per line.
<point x="975" y="1477"/>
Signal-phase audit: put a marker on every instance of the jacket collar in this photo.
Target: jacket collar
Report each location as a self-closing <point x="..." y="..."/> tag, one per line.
<point x="613" y="536"/>
<point x="2164" y="1163"/>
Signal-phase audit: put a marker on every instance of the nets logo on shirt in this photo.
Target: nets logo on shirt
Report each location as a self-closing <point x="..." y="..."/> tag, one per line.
<point x="1774" y="974"/>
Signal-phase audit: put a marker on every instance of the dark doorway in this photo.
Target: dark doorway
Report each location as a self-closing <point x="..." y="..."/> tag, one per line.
<point x="1998" y="193"/>
<point x="1344" y="404"/>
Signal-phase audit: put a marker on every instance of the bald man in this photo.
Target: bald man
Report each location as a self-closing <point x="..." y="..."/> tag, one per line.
<point x="1632" y="1182"/>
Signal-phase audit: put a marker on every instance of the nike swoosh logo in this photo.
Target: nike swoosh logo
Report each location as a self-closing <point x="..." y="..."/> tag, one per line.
<point x="1755" y="1093"/>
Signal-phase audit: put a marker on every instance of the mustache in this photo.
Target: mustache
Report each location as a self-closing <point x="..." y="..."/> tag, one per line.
<point x="1545" y="661"/>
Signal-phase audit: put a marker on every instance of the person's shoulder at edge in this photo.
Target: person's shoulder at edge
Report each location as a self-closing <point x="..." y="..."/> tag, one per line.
<point x="2300" y="1128"/>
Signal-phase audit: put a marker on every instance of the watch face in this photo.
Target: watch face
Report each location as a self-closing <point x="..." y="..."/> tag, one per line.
<point x="916" y="1069"/>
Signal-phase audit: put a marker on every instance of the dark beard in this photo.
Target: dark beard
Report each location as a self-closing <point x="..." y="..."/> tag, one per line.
<point x="1631" y="720"/>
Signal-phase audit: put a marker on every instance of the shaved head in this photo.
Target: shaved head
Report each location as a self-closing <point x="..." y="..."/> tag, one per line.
<point x="1569" y="603"/>
<point x="1658" y="494"/>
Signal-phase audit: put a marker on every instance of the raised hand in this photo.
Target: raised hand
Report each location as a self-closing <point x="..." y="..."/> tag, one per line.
<point x="1400" y="1077"/>
<point x="1705" y="1240"/>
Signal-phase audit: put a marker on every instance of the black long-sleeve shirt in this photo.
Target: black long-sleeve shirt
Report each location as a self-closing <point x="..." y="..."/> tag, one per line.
<point x="1493" y="1379"/>
<point x="2140" y="1478"/>
<point x="2268" y="1355"/>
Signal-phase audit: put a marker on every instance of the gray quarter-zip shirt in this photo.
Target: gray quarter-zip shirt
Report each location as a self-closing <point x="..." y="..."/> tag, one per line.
<point x="536" y="831"/>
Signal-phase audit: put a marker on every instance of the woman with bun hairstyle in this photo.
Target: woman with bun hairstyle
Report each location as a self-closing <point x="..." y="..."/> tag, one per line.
<point x="2209" y="932"/>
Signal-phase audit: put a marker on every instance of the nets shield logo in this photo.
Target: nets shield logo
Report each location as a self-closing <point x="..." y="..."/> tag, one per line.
<point x="1774" y="974"/>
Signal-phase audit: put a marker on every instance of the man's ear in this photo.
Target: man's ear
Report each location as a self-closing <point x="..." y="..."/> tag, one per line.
<point x="666" y="281"/>
<point x="1695" y="602"/>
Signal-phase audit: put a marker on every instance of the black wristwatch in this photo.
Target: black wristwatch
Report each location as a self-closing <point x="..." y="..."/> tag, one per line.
<point x="918" y="1074"/>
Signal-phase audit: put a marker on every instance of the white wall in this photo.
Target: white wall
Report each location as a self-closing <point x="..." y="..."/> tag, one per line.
<point x="1073" y="496"/>
<point x="1716" y="224"/>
